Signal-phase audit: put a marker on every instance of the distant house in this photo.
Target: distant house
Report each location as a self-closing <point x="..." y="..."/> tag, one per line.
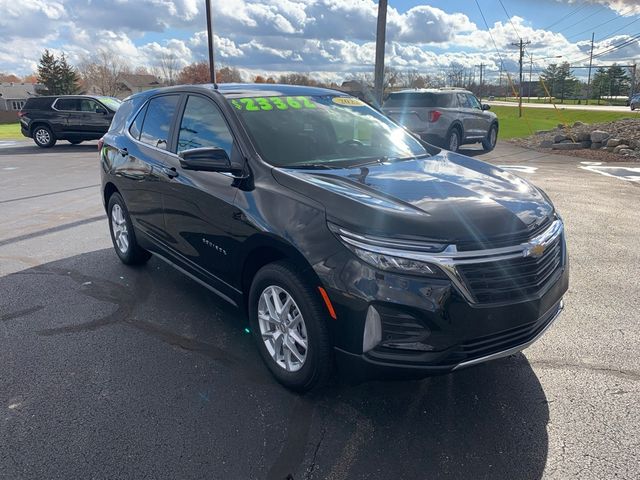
<point x="14" y="95"/>
<point x="135" y="83"/>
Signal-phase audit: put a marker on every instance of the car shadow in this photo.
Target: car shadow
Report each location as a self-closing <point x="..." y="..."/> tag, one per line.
<point x="133" y="370"/>
<point x="29" y="148"/>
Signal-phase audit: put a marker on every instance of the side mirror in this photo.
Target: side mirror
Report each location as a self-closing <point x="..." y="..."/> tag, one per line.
<point x="208" y="159"/>
<point x="101" y="110"/>
<point x="486" y="106"/>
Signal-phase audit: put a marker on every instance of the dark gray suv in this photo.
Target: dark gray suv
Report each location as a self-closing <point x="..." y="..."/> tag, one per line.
<point x="445" y="117"/>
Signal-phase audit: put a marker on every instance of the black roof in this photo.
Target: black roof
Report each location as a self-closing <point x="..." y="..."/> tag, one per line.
<point x="234" y="90"/>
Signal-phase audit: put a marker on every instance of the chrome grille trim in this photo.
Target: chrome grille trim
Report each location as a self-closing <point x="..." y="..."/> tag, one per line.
<point x="450" y="258"/>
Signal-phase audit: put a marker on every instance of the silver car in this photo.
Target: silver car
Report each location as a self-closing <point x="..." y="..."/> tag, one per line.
<point x="634" y="102"/>
<point x="445" y="117"/>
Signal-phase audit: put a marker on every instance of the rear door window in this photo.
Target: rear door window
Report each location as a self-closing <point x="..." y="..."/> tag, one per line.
<point x="68" y="104"/>
<point x="203" y="125"/>
<point x="157" y="121"/>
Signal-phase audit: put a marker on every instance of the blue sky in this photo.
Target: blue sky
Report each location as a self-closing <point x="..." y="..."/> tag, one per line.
<point x="331" y="39"/>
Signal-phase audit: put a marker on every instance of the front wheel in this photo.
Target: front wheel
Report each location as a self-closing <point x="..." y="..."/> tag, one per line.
<point x="489" y="143"/>
<point x="288" y="322"/>
<point x="122" y="234"/>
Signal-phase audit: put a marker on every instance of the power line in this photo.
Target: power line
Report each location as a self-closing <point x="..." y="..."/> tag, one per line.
<point x="611" y="49"/>
<point x="566" y="16"/>
<point x="510" y="21"/>
<point x="486" y="24"/>
<point x="616" y="31"/>
<point x="590" y="29"/>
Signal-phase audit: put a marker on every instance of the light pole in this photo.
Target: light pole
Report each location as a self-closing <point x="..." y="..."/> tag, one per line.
<point x="531" y="71"/>
<point x="381" y="32"/>
<point x="210" y="41"/>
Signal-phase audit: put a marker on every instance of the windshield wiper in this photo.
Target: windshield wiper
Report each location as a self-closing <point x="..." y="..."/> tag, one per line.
<point x="309" y="166"/>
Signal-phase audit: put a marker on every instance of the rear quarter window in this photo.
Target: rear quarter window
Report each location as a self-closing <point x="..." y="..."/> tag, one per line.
<point x="419" y="100"/>
<point x="38" y="103"/>
<point x="120" y="118"/>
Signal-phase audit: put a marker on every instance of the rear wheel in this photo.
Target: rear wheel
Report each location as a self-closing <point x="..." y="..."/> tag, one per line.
<point x="122" y="234"/>
<point x="288" y="322"/>
<point x="453" y="140"/>
<point x="489" y="143"/>
<point x="43" y="136"/>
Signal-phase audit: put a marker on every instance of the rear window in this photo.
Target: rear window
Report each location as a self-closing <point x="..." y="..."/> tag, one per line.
<point x="419" y="99"/>
<point x="38" y="103"/>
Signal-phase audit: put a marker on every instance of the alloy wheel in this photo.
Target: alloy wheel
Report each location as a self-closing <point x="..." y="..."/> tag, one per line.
<point x="282" y="328"/>
<point x="119" y="226"/>
<point x="453" y="142"/>
<point x="42" y="136"/>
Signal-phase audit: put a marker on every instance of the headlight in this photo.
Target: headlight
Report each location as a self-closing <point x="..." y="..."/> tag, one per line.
<point x="390" y="255"/>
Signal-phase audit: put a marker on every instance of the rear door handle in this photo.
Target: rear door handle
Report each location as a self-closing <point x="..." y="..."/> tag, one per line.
<point x="170" y="172"/>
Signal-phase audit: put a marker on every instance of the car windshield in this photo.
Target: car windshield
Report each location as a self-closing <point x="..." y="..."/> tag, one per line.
<point x="110" y="102"/>
<point x="322" y="131"/>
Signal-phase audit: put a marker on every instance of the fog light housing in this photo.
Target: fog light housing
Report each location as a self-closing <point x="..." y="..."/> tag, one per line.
<point x="372" y="330"/>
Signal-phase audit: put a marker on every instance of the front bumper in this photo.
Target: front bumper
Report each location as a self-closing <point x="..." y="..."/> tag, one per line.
<point x="366" y="366"/>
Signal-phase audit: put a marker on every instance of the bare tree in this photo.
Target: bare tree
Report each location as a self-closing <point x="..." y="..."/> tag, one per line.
<point x="102" y="73"/>
<point x="167" y="68"/>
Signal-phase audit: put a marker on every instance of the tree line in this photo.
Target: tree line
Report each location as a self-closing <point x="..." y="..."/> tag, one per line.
<point x="103" y="73"/>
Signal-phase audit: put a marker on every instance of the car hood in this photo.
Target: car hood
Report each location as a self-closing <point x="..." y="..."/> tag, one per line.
<point x="445" y="197"/>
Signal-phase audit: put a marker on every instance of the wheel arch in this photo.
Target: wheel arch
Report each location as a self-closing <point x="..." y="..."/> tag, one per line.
<point x="263" y="249"/>
<point x="108" y="190"/>
<point x="39" y="123"/>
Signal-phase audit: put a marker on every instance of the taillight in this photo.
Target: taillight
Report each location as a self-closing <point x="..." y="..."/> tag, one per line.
<point x="100" y="143"/>
<point x="434" y="115"/>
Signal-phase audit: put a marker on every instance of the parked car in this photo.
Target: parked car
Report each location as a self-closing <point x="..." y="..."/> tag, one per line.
<point x="634" y="102"/>
<point x="343" y="237"/>
<point x="74" y="118"/>
<point x="445" y="117"/>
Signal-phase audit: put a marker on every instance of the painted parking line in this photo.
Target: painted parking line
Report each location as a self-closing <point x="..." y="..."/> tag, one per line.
<point x="7" y="143"/>
<point x="630" y="174"/>
<point x="519" y="168"/>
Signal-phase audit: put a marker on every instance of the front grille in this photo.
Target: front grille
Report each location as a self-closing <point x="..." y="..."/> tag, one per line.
<point x="506" y="240"/>
<point x="515" y="279"/>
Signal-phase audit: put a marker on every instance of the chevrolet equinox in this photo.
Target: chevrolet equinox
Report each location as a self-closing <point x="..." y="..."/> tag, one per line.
<point x="345" y="239"/>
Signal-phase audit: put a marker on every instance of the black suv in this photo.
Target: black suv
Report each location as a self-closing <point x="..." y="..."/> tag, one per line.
<point x="70" y="117"/>
<point x="342" y="236"/>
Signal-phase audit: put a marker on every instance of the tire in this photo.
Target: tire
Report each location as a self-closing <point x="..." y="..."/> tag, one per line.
<point x="43" y="136"/>
<point x="122" y="234"/>
<point x="282" y="279"/>
<point x="453" y="140"/>
<point x="489" y="143"/>
<point x="75" y="142"/>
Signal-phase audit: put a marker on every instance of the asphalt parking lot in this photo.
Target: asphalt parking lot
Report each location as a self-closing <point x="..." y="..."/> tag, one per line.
<point x="113" y="372"/>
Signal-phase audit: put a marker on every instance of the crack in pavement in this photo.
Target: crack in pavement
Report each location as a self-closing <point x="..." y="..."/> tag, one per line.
<point x="619" y="373"/>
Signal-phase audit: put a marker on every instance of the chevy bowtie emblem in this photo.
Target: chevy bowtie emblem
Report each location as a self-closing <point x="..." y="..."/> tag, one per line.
<point x="534" y="251"/>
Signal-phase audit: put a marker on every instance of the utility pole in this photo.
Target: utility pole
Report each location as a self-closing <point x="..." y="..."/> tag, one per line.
<point x="530" y="75"/>
<point x="210" y="38"/>
<point x="482" y="65"/>
<point x="593" y="35"/>
<point x="521" y="44"/>
<point x="380" y="44"/>
<point x="632" y="90"/>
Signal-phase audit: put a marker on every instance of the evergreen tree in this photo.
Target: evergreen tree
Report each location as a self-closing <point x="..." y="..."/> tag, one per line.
<point x="47" y="72"/>
<point x="68" y="76"/>
<point x="58" y="77"/>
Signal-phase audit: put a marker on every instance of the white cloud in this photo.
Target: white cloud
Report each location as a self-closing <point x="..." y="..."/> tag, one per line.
<point x="326" y="37"/>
